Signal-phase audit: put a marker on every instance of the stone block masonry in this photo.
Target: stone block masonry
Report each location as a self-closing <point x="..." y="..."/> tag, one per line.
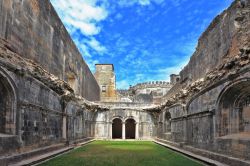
<point x="35" y="32"/>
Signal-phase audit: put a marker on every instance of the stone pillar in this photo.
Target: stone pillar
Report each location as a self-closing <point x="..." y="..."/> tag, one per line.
<point x="64" y="128"/>
<point x="185" y="130"/>
<point x="110" y="130"/>
<point x="137" y="130"/>
<point x="123" y="131"/>
<point x="164" y="127"/>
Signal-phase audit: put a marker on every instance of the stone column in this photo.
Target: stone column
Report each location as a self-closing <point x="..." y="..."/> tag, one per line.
<point x="137" y="130"/>
<point x="110" y="130"/>
<point x="64" y="128"/>
<point x="123" y="131"/>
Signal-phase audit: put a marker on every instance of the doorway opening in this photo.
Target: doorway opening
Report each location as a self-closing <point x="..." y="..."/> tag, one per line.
<point x="117" y="129"/>
<point x="130" y="129"/>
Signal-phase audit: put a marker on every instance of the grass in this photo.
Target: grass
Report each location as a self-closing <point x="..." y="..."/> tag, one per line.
<point x="121" y="153"/>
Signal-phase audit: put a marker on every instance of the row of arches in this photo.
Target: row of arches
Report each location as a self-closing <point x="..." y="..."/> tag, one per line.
<point x="231" y="114"/>
<point x="117" y="129"/>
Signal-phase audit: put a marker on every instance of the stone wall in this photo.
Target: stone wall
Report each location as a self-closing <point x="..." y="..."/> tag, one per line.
<point x="35" y="32"/>
<point x="37" y="108"/>
<point x="209" y="109"/>
<point x="221" y="38"/>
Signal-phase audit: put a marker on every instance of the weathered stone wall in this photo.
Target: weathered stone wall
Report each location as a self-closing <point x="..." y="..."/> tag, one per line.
<point x="39" y="117"/>
<point x="35" y="32"/>
<point x="209" y="108"/>
<point x="221" y="38"/>
<point x="79" y="123"/>
<point x="206" y="122"/>
<point x="37" y="108"/>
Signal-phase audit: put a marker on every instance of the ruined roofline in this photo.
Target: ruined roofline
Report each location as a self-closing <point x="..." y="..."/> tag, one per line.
<point x="215" y="21"/>
<point x="210" y="27"/>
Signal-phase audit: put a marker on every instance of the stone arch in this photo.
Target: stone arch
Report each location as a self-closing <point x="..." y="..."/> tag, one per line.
<point x="117" y="117"/>
<point x="116" y="128"/>
<point x="167" y="121"/>
<point x="130" y="128"/>
<point x="130" y="117"/>
<point x="233" y="109"/>
<point x="8" y="104"/>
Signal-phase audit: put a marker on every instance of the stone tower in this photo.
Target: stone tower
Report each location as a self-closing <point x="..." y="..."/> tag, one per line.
<point x="105" y="77"/>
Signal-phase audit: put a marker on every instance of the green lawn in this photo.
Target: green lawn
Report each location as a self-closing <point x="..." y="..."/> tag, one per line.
<point x="121" y="153"/>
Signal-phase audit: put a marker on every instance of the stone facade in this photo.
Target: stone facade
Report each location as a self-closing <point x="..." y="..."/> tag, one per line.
<point x="35" y="32"/>
<point x="145" y="123"/>
<point x="43" y="80"/>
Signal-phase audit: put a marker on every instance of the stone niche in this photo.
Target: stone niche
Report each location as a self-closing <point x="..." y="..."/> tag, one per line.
<point x="7" y="106"/>
<point x="233" y="118"/>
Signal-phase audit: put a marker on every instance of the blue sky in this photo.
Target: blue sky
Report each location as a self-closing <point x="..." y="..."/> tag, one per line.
<point x="146" y="40"/>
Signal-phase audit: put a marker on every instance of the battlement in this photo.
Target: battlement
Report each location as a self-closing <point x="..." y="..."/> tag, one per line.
<point x="151" y="84"/>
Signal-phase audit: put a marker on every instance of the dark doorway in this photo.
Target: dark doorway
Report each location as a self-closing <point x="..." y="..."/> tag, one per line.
<point x="117" y="129"/>
<point x="130" y="129"/>
<point x="7" y="121"/>
<point x="3" y="96"/>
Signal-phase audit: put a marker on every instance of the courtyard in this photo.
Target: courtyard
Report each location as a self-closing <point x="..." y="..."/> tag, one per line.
<point x="122" y="153"/>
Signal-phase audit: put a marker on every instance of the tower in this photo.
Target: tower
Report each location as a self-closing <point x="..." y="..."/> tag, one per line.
<point x="105" y="77"/>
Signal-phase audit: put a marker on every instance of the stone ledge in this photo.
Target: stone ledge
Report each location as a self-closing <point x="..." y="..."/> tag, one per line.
<point x="191" y="155"/>
<point x="42" y="155"/>
<point x="204" y="154"/>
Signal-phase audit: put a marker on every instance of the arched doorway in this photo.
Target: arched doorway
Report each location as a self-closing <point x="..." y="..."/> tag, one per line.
<point x="233" y="115"/>
<point x="130" y="129"/>
<point x="117" y="129"/>
<point x="7" y="107"/>
<point x="167" y="122"/>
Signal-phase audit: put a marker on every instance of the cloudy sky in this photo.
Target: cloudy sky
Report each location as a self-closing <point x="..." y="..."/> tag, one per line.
<point x="146" y="40"/>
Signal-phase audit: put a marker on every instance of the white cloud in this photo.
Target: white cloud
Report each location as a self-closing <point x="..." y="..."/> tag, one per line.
<point x="94" y="44"/>
<point x="81" y="14"/>
<point x="144" y="2"/>
<point x="127" y="3"/>
<point x="84" y="16"/>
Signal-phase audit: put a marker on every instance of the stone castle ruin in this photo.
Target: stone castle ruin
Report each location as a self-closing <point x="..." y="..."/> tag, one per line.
<point x="49" y="99"/>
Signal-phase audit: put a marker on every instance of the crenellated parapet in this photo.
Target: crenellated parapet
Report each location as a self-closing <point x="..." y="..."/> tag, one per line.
<point x="151" y="84"/>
